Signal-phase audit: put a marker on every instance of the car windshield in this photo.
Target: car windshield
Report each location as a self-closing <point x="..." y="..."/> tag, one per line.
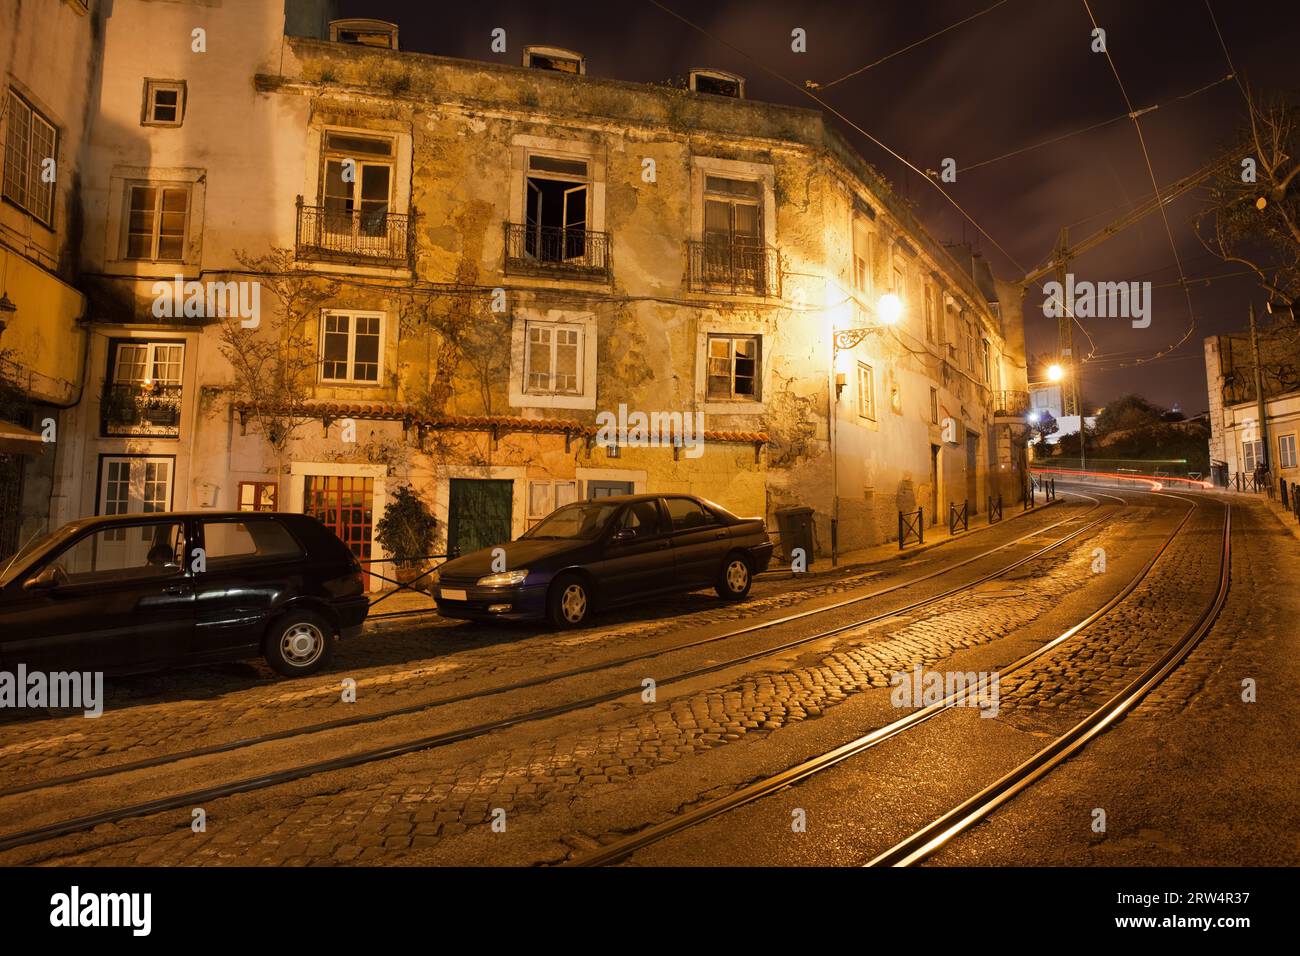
<point x="582" y="520"/>
<point x="14" y="566"/>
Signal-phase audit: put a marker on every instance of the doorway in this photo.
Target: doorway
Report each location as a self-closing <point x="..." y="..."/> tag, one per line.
<point x="345" y="505"/>
<point x="934" y="484"/>
<point x="972" y="471"/>
<point x="479" y="513"/>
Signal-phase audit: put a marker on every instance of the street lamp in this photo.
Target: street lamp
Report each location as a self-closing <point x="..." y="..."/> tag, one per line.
<point x="1055" y="373"/>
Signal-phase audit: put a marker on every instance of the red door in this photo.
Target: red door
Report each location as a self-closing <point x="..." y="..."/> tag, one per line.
<point x="344" y="504"/>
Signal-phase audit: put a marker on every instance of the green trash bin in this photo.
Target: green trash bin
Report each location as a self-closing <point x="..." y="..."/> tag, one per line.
<point x="797" y="531"/>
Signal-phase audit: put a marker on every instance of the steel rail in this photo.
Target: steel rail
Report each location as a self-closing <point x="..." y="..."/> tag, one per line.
<point x="407" y="710"/>
<point x="936" y="834"/>
<point x="769" y="785"/>
<point x="409" y="746"/>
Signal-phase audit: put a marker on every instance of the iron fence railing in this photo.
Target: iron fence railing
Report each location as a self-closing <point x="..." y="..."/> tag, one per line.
<point x="133" y="408"/>
<point x="378" y="234"/>
<point x="994" y="509"/>
<point x="958" y="518"/>
<point x="418" y="583"/>
<point x="735" y="267"/>
<point x="534" y="249"/>
<point x="1007" y="403"/>
<point x="911" y="524"/>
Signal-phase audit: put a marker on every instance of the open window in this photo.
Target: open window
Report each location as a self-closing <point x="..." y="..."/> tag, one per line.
<point x="558" y="205"/>
<point x="376" y="33"/>
<point x="357" y="185"/>
<point x="554" y="58"/>
<point x="718" y="83"/>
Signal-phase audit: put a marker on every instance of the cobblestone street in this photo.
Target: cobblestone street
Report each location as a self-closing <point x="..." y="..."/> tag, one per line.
<point x="548" y="778"/>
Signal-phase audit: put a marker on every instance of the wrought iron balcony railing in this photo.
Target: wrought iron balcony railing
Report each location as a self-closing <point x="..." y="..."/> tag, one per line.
<point x="360" y="235"/>
<point x="735" y="267"/>
<point x="533" y="249"/>
<point x="132" y="408"/>
<point x="1011" y="403"/>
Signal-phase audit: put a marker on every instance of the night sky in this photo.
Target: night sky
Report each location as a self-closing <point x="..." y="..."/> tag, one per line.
<point x="1013" y="77"/>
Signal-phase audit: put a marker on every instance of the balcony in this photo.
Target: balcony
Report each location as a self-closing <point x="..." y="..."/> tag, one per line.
<point x="736" y="268"/>
<point x="361" y="236"/>
<point x="556" y="251"/>
<point x="135" y="409"/>
<point x="1010" y="404"/>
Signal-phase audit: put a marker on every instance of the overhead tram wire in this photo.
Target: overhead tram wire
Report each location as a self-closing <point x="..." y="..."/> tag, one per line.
<point x="911" y="46"/>
<point x="1146" y="155"/>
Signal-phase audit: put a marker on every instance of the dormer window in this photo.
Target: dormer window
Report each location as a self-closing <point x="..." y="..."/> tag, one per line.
<point x="376" y="33"/>
<point x="554" y="58"/>
<point x="719" y="83"/>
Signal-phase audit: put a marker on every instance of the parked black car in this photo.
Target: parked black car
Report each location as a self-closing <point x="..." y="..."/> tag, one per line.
<point x="604" y="552"/>
<point x="142" y="592"/>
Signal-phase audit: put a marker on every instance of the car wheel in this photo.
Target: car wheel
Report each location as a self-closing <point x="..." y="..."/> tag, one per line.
<point x="569" y="603"/>
<point x="299" y="643"/>
<point x="735" y="579"/>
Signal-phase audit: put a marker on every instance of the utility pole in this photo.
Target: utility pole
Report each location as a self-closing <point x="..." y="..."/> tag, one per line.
<point x="1259" y="391"/>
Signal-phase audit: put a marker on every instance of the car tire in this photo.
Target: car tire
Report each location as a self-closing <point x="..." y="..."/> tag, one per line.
<point x="569" y="602"/>
<point x="299" y="643"/>
<point x="735" y="578"/>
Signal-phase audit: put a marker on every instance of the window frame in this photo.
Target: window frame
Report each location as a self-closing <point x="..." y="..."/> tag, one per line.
<point x="579" y="360"/>
<point x="731" y="338"/>
<point x="552" y="485"/>
<point x="1251" y="453"/>
<point x="1286" y="451"/>
<point x="25" y="164"/>
<point x="351" y="360"/>
<point x="257" y="487"/>
<point x="148" y="107"/>
<point x="867" y="393"/>
<point x="155" y="235"/>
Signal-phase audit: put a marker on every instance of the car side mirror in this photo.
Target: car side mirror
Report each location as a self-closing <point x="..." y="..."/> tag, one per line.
<point x="45" y="580"/>
<point x="624" y="534"/>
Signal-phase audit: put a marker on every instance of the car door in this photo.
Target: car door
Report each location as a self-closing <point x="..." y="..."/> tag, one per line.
<point x="637" y="559"/>
<point x="252" y="564"/>
<point x="700" y="541"/>
<point x="117" y="597"/>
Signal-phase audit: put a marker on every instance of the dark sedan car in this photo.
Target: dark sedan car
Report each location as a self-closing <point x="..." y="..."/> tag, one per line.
<point x="604" y="552"/>
<point x="141" y="592"/>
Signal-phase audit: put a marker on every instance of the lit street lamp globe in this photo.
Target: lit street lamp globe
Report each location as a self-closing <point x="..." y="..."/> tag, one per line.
<point x="1055" y="373"/>
<point x="891" y="308"/>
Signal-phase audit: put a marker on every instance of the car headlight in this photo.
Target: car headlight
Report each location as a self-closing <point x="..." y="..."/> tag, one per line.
<point x="506" y="579"/>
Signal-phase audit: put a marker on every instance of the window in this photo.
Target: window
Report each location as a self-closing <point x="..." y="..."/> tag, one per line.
<point x="686" y="514"/>
<point x="376" y="33"/>
<point x="351" y="347"/>
<point x="131" y="485"/>
<point x="125" y="552"/>
<point x="232" y="542"/>
<point x="929" y="313"/>
<point x="733" y="369"/>
<point x="164" y="103"/>
<point x="733" y="211"/>
<point x="554" y="58"/>
<point x="643" y="518"/>
<point x="553" y="358"/>
<point x="149" y="364"/>
<point x="156" y="222"/>
<point x="934" y="405"/>
<point x="545" y="496"/>
<point x="866" y="391"/>
<point x="718" y="83"/>
<point x="1286" y="457"/>
<point x="357" y="183"/>
<point x="1252" y="453"/>
<point x="557" y="205"/>
<point x="257" y="495"/>
<point x="32" y="140"/>
<point x="986" y="359"/>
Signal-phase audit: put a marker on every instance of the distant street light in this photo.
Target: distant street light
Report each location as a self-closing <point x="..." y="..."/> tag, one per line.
<point x="1055" y="373"/>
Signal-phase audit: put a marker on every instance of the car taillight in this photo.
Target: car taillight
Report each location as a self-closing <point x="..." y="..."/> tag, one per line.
<point x="350" y="585"/>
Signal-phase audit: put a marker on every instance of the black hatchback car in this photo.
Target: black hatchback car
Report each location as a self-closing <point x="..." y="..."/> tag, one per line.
<point x="604" y="552"/>
<point x="141" y="592"/>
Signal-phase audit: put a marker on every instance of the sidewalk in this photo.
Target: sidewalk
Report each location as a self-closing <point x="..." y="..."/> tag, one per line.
<point x="935" y="536"/>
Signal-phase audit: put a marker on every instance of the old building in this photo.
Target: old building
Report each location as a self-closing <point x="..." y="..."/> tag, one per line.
<point x="321" y="267"/>
<point x="1238" y="444"/>
<point x="47" y="72"/>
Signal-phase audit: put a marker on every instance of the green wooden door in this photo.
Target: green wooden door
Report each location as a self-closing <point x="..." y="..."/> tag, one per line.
<point x="478" y="514"/>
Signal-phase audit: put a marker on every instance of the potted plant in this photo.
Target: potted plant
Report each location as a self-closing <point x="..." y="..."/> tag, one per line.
<point x="406" y="531"/>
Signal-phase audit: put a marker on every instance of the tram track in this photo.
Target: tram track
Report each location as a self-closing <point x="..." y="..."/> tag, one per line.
<point x="768" y="785"/>
<point x="427" y="742"/>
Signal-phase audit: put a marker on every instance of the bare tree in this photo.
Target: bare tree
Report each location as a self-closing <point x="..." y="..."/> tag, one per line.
<point x="1253" y="215"/>
<point x="274" y="363"/>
